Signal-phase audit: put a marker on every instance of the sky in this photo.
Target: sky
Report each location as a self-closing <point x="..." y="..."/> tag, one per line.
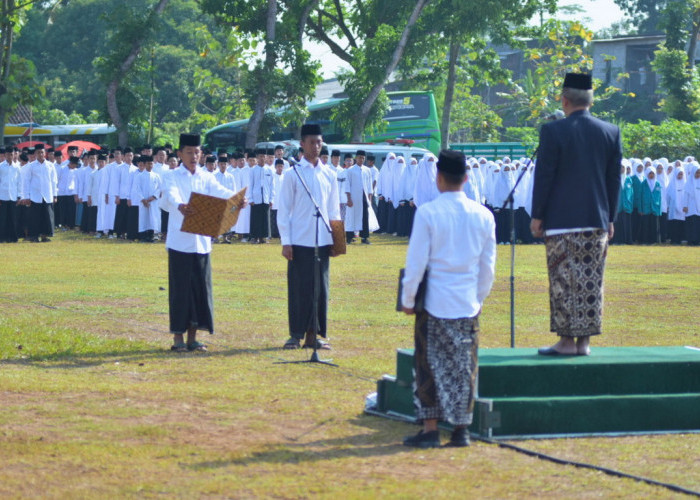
<point x="598" y="14"/>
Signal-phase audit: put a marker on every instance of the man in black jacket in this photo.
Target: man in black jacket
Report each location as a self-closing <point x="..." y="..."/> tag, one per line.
<point x="574" y="203"/>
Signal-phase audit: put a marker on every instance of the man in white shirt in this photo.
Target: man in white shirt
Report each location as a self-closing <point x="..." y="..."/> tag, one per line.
<point x="297" y="225"/>
<point x="358" y="189"/>
<point x="453" y="240"/>
<point x="40" y="191"/>
<point x="276" y="188"/>
<point x="67" y="189"/>
<point x="261" y="187"/>
<point x="189" y="268"/>
<point x="122" y="176"/>
<point x="10" y="189"/>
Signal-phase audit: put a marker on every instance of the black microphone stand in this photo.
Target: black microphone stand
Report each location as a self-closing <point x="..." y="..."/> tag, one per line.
<point x="317" y="281"/>
<point x="511" y="201"/>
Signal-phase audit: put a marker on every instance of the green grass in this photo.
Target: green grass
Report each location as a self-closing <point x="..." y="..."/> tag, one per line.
<point x="93" y="405"/>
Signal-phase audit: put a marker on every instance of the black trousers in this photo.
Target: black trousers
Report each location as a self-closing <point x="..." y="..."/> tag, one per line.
<point x="132" y="223"/>
<point x="300" y="291"/>
<point x="40" y="219"/>
<point x="85" y="219"/>
<point x="189" y="292"/>
<point x="273" y="224"/>
<point x="121" y="218"/>
<point x="623" y="229"/>
<point x="382" y="215"/>
<point x="66" y="211"/>
<point x="164" y="216"/>
<point x="90" y="218"/>
<point x="8" y="221"/>
<point x="676" y="231"/>
<point x="22" y="221"/>
<point x="692" y="229"/>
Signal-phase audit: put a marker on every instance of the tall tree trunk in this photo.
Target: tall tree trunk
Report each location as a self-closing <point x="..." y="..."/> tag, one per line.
<point x="263" y="99"/>
<point x="449" y="92"/>
<point x="5" y="59"/>
<point x="115" y="83"/>
<point x="694" y="33"/>
<point x="360" y="118"/>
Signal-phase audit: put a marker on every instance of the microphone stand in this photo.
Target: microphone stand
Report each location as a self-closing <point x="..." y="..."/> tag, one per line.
<point x="317" y="281"/>
<point x="511" y="201"/>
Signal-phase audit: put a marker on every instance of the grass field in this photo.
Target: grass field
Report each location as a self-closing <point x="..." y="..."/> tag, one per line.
<point x="94" y="405"/>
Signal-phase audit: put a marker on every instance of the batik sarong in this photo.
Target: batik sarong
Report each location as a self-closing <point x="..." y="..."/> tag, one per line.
<point x="575" y="263"/>
<point x="445" y="368"/>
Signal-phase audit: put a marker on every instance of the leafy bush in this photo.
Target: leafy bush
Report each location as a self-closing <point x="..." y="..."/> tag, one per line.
<point x="672" y="139"/>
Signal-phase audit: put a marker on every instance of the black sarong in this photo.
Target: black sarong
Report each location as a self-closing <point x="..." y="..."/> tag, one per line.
<point x="40" y="219"/>
<point x="300" y="291"/>
<point x="190" y="297"/>
<point x="8" y="221"/>
<point x="260" y="220"/>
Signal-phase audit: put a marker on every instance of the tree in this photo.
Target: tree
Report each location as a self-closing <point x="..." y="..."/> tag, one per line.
<point x="127" y="42"/>
<point x="18" y="83"/>
<point x="487" y="17"/>
<point x="284" y="75"/>
<point x="375" y="35"/>
<point x="681" y="82"/>
<point x="558" y="48"/>
<point x="678" y="19"/>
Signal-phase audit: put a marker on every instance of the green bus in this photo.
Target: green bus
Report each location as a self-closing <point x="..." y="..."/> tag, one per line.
<point x="412" y="117"/>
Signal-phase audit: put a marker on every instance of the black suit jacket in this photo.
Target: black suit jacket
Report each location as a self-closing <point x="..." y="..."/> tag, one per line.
<point x="577" y="177"/>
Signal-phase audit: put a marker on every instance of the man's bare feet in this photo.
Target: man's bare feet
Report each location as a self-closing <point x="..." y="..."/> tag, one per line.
<point x="566" y="347"/>
<point x="582" y="344"/>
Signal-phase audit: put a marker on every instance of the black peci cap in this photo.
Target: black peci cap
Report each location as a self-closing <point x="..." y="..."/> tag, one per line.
<point x="452" y="162"/>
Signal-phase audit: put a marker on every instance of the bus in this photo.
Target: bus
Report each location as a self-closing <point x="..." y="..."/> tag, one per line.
<point x="55" y="135"/>
<point x="412" y="118"/>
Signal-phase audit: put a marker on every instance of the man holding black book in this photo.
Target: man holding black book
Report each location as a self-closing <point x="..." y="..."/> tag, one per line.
<point x="453" y="239"/>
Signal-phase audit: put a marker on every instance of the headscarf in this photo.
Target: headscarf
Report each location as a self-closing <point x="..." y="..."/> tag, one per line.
<point x="692" y="190"/>
<point x="651" y="182"/>
<point x="676" y="195"/>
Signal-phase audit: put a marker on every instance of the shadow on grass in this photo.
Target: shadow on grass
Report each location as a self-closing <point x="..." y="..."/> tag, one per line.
<point x="70" y="359"/>
<point x="381" y="441"/>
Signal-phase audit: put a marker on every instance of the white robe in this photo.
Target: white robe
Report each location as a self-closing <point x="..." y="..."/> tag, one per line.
<point x="149" y="184"/>
<point x="243" y="224"/>
<point x="359" y="184"/>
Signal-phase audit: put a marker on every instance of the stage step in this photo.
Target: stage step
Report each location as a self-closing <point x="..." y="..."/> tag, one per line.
<point x="615" y="390"/>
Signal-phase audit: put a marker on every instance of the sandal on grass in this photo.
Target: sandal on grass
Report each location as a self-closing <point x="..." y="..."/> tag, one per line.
<point x="181" y="347"/>
<point x="292" y="343"/>
<point x="196" y="346"/>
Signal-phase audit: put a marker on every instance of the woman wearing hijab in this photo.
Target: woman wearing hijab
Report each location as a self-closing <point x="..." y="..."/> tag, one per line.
<point x="623" y="224"/>
<point x="661" y="164"/>
<point x="650" y="207"/>
<point x="692" y="204"/>
<point x="637" y="180"/>
<point x="383" y="192"/>
<point x="406" y="209"/>
<point x="503" y="184"/>
<point x="675" y="195"/>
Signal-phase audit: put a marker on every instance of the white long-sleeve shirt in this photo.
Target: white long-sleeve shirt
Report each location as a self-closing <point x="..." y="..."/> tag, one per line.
<point x="10" y="181"/>
<point x="454" y="238"/>
<point x="295" y="211"/>
<point x="67" y="181"/>
<point x="40" y="182"/>
<point x="180" y="183"/>
<point x="261" y="184"/>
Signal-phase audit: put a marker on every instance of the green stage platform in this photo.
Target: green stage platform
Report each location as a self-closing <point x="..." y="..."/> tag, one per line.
<point x="615" y="390"/>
